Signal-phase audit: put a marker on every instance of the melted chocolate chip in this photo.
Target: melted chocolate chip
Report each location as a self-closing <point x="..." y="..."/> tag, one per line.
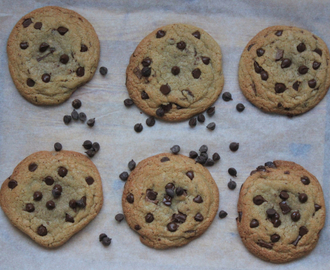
<point x="190" y="174"/>
<point x="149" y="218"/>
<point x="73" y="204"/>
<point x="165" y="89"/>
<point x="257" y="68"/>
<point x="175" y="70"/>
<point x="295" y="86"/>
<point x="317" y="207"/>
<point x="64" y="58"/>
<point x="285" y="207"/>
<point x="199" y="217"/>
<point x="264" y="75"/>
<point x="179" y="218"/>
<point x="260" y="52"/>
<point x="275" y="238"/>
<point x="254" y="223"/>
<point x="312" y="83"/>
<point x="27" y="22"/>
<point x="172" y="227"/>
<point x="170" y="192"/>
<point x="250" y="46"/>
<point x="24" y="45"/>
<point x="42" y="230"/>
<point x="43" y="47"/>
<point x="284" y="195"/>
<point x="160" y="34"/>
<point x="181" y="45"/>
<point x="151" y="195"/>
<point x="277" y="223"/>
<point x="49" y="180"/>
<point x="265" y="244"/>
<point x="179" y="191"/>
<point x="62" y="171"/>
<point x="198" y="199"/>
<point x="279" y="55"/>
<point x="303" y="197"/>
<point x="318" y="51"/>
<point x="303" y="69"/>
<point x="164" y="159"/>
<point x="29" y="207"/>
<point x="80" y="71"/>
<point x="137" y="227"/>
<point x="82" y="202"/>
<point x="62" y="30"/>
<point x="68" y="218"/>
<point x="37" y="196"/>
<point x="305" y="180"/>
<point x="57" y="191"/>
<point x="316" y="65"/>
<point x="301" y="47"/>
<point x="83" y="48"/>
<point x="280" y="88"/>
<point x="197" y="34"/>
<point x="279" y="33"/>
<point x="295" y="216"/>
<point x="50" y="205"/>
<point x="196" y="73"/>
<point x="38" y="25"/>
<point x="45" y="78"/>
<point x="206" y="60"/>
<point x="144" y="95"/>
<point x="285" y="63"/>
<point x="240" y="216"/>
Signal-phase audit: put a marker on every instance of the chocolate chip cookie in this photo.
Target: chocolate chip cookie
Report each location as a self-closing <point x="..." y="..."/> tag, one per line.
<point x="281" y="211"/>
<point x="285" y="70"/>
<point x="51" y="52"/>
<point x="169" y="200"/>
<point x="175" y="72"/>
<point x="52" y="195"/>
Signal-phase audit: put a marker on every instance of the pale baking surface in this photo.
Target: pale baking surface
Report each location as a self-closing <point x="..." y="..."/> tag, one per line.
<point x="121" y="25"/>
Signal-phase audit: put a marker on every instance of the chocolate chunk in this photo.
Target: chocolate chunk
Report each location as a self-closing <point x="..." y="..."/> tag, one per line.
<point x="175" y="70"/>
<point x="146" y="62"/>
<point x="123" y="176"/>
<point x="138" y="127"/>
<point x="43" y="47"/>
<point x="301" y="47"/>
<point x="128" y="102"/>
<point x="303" y="69"/>
<point x="270" y="164"/>
<point x="27" y="22"/>
<point x="37" y="196"/>
<point x="179" y="218"/>
<point x="103" y="71"/>
<point x="222" y="214"/>
<point x="29" y="207"/>
<point x="232" y="172"/>
<point x="303" y="197"/>
<point x="198" y="199"/>
<point x="206" y="60"/>
<point x="286" y="63"/>
<point x="199" y="217"/>
<point x="181" y="45"/>
<point x="62" y="171"/>
<point x="279" y="33"/>
<point x="151" y="195"/>
<point x="216" y="157"/>
<point x="240" y="214"/>
<point x="68" y="218"/>
<point x="279" y="55"/>
<point x="89" y="180"/>
<point x="119" y="217"/>
<point x="82" y="202"/>
<point x="165" y="89"/>
<point x="312" y="83"/>
<point x="196" y="73"/>
<point x="305" y="180"/>
<point x="197" y="34"/>
<point x="260" y="52"/>
<point x="50" y="205"/>
<point x="146" y="71"/>
<point x="295" y="86"/>
<point x="42" y="230"/>
<point x="49" y="180"/>
<point x="45" y="78"/>
<point x="271" y="212"/>
<point x="149" y="218"/>
<point x="190" y="174"/>
<point x="264" y="75"/>
<point x="164" y="159"/>
<point x="280" y="88"/>
<point x="91" y="122"/>
<point x="284" y="195"/>
<point x="240" y="107"/>
<point x="254" y="223"/>
<point x="87" y="144"/>
<point x="193" y="154"/>
<point x="201" y="118"/>
<point x="226" y="96"/>
<point x="316" y="65"/>
<point x="24" y="45"/>
<point x="275" y="238"/>
<point x="80" y="71"/>
<point x="258" y="200"/>
<point x="257" y="68"/>
<point x="295" y="216"/>
<point x="30" y="82"/>
<point x="175" y="149"/>
<point x="160" y="34"/>
<point x="285" y="207"/>
<point x="172" y="227"/>
<point x="231" y="184"/>
<point x="62" y="30"/>
<point x="318" y="51"/>
<point x="32" y="167"/>
<point x="83" y="48"/>
<point x="234" y="146"/>
<point x="211" y="126"/>
<point x="37" y="25"/>
<point x="167" y="200"/>
<point x="76" y="103"/>
<point x="170" y="192"/>
<point x="179" y="191"/>
<point x="64" y="58"/>
<point x="106" y="241"/>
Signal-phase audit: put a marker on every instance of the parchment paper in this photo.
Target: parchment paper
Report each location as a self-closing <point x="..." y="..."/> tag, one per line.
<point x="121" y="25"/>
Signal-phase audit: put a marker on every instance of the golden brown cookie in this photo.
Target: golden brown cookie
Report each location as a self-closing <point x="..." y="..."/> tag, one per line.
<point x="52" y="195"/>
<point x="281" y="212"/>
<point x="175" y="72"/>
<point x="51" y="52"/>
<point x="169" y="200"/>
<point x="285" y="70"/>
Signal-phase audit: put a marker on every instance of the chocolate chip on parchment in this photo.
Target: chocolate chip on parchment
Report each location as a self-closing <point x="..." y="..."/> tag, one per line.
<point x="203" y="149"/>
<point x="280" y="88"/>
<point x="175" y="70"/>
<point x="45" y="78"/>
<point x="64" y="59"/>
<point x="91" y="122"/>
<point x="124" y="176"/>
<point x="303" y="197"/>
<point x="128" y="102"/>
<point x="270" y="164"/>
<point x="50" y="205"/>
<point x="131" y="165"/>
<point x="234" y="146"/>
<point x="96" y="146"/>
<point x="30" y="82"/>
<point x="149" y="218"/>
<point x="206" y="60"/>
<point x="240" y="107"/>
<point x="27" y="22"/>
<point x="211" y="126"/>
<point x="181" y="45"/>
<point x="102" y="235"/>
<point x="305" y="180"/>
<point x="201" y="118"/>
<point x="193" y="154"/>
<point x="62" y="171"/>
<point x="32" y="167"/>
<point x="90" y="152"/>
<point x="232" y="172"/>
<point x="138" y="127"/>
<point x="312" y="83"/>
<point x="106" y="241"/>
<point x="62" y="30"/>
<point x="29" y="207"/>
<point x="172" y="227"/>
<point x="160" y="33"/>
<point x="209" y="162"/>
<point x="87" y="144"/>
<point x="103" y="71"/>
<point x="49" y="180"/>
<point x="260" y="52"/>
<point x="24" y="45"/>
<point x="295" y="216"/>
<point x="190" y="174"/>
<point x="301" y="47"/>
<point x="196" y="73"/>
<point x="42" y="230"/>
<point x="119" y="217"/>
<point x="37" y="25"/>
<point x="216" y="157"/>
<point x="198" y="199"/>
<point x="258" y="200"/>
<point x="37" y="196"/>
<point x="80" y="71"/>
<point x="150" y="121"/>
<point x="82" y="117"/>
<point x="222" y="214"/>
<point x="76" y="103"/>
<point x="303" y="69"/>
<point x="231" y="184"/>
<point x="197" y="34"/>
<point x="254" y="223"/>
<point x="74" y="115"/>
<point x="210" y="111"/>
<point x="57" y="146"/>
<point x="226" y="96"/>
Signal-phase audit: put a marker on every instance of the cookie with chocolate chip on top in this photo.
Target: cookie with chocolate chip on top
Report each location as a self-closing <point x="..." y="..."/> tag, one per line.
<point x="51" y="52"/>
<point x="169" y="200"/>
<point x="52" y="195"/>
<point x="281" y="212"/>
<point x="285" y="70"/>
<point x="175" y="72"/>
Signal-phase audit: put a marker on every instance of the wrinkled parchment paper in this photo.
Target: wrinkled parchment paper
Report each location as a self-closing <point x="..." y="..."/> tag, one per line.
<point x="120" y="25"/>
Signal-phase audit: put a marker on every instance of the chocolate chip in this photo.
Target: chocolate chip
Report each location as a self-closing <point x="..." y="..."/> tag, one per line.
<point x="175" y="149"/>
<point x="80" y="71"/>
<point x="38" y="25"/>
<point x="58" y="146"/>
<point x="160" y="34"/>
<point x="42" y="230"/>
<point x="43" y="47"/>
<point x="240" y="214"/>
<point x="285" y="207"/>
<point x="49" y="180"/>
<point x="279" y="33"/>
<point x="286" y="63"/>
<point x="82" y="117"/>
<point x="29" y="207"/>
<point x="201" y="118"/>
<point x="91" y="122"/>
<point x="64" y="58"/>
<point x="199" y="217"/>
<point x="57" y="191"/>
<point x="280" y="88"/>
<point x="37" y="196"/>
<point x="201" y="159"/>
<point x="264" y="75"/>
<point x="62" y="30"/>
<point x="275" y="238"/>
<point x="254" y="223"/>
<point x="301" y="47"/>
<point x="27" y="22"/>
<point x="68" y="218"/>
<point x="146" y="62"/>
<point x="179" y="218"/>
<point x="45" y="78"/>
<point x="279" y="55"/>
<point x="72" y="204"/>
<point x="260" y="52"/>
<point x="303" y="230"/>
<point x="205" y="155"/>
<point x="295" y="216"/>
<point x="138" y="127"/>
<point x="123" y="176"/>
<point x="316" y="65"/>
<point x="318" y="51"/>
<point x="150" y="121"/>
<point x="165" y="89"/>
<point x="231" y="184"/>
<point x="271" y="212"/>
<point x="198" y="199"/>
<point x="175" y="70"/>
<point x="210" y="111"/>
<point x="179" y="191"/>
<point x="303" y="197"/>
<point x="222" y="214"/>
<point x="303" y="69"/>
<point x="270" y="164"/>
<point x="206" y="60"/>
<point x="258" y="200"/>
<point x="128" y="102"/>
<point x="24" y="45"/>
<point x="76" y="103"/>
<point x="257" y="68"/>
<point x="232" y="172"/>
<point x="89" y="180"/>
<point x="50" y="205"/>
<point x="190" y="174"/>
<point x="82" y="202"/>
<point x="193" y="154"/>
<point x="87" y="144"/>
<point x="32" y="167"/>
<point x="181" y="45"/>
<point x="211" y="126"/>
<point x="164" y="159"/>
<point x="149" y="218"/>
<point x="209" y="162"/>
<point x="130" y="198"/>
<point x="83" y="48"/>
<point x="312" y="83"/>
<point x="146" y="72"/>
<point x="170" y="192"/>
<point x="234" y="146"/>
<point x="102" y="236"/>
<point x="284" y="195"/>
<point x="170" y="186"/>
<point x="226" y="96"/>
<point x="172" y="227"/>
<point x="103" y="71"/>
<point x="131" y="165"/>
<point x="317" y="207"/>
<point x="167" y="200"/>
<point x="166" y="107"/>
<point x="216" y="157"/>
<point x="295" y="86"/>
<point x="261" y="168"/>
<point x="197" y="34"/>
<point x="240" y="107"/>
<point x="62" y="171"/>
<point x="196" y="73"/>
<point x="106" y="241"/>
<point x="119" y="217"/>
<point x="305" y="180"/>
<point x="151" y="195"/>
<point x="30" y="82"/>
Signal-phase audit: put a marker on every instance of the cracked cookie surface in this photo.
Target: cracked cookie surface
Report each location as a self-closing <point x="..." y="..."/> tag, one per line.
<point x="175" y="72"/>
<point x="169" y="200"/>
<point x="52" y="195"/>
<point x="285" y="70"/>
<point x="281" y="212"/>
<point x="51" y="52"/>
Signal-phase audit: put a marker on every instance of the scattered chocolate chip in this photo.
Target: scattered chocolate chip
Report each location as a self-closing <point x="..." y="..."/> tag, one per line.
<point x="62" y="171"/>
<point x="254" y="223"/>
<point x="303" y="69"/>
<point x="198" y="199"/>
<point x="42" y="230"/>
<point x="175" y="70"/>
<point x="203" y="149"/>
<point x="286" y="63"/>
<point x="222" y="214"/>
<point x="138" y="127"/>
<point x="181" y="45"/>
<point x="50" y="205"/>
<point x="279" y="55"/>
<point x="27" y="22"/>
<point x="279" y="33"/>
<point x="57" y="191"/>
<point x="211" y="126"/>
<point x="284" y="195"/>
<point x="260" y="52"/>
<point x="312" y="83"/>
<point x="280" y="88"/>
<point x="64" y="59"/>
<point x="179" y="191"/>
<point x="210" y="111"/>
<point x="318" y="51"/>
<point x="164" y="159"/>
<point x="58" y="146"/>
<point x="30" y="82"/>
<point x="82" y="117"/>
<point x="89" y="180"/>
<point x="29" y="207"/>
<point x="74" y="115"/>
<point x="209" y="162"/>
<point x="197" y="34"/>
<point x="128" y="102"/>
<point x="62" y="30"/>
<point x="43" y="47"/>
<point x="76" y="103"/>
<point x="240" y="107"/>
<point x="275" y="238"/>
<point x="205" y="155"/>
<point x="123" y="176"/>
<point x="45" y="78"/>
<point x="258" y="200"/>
<point x="83" y="48"/>
<point x="146" y="72"/>
<point x="119" y="217"/>
<point x="32" y="167"/>
<point x="91" y="122"/>
<point x="257" y="68"/>
<point x="201" y="118"/>
<point x="106" y="241"/>
<point x="206" y="60"/>
<point x="196" y="73"/>
<point x="317" y="207"/>
<point x="37" y="196"/>
<point x="49" y="180"/>
<point x="103" y="71"/>
<point x="190" y="174"/>
<point x="150" y="121"/>
<point x="234" y="146"/>
<point x="131" y="165"/>
<point x="102" y="235"/>
<point x="303" y="197"/>
<point x="167" y="200"/>
<point x="160" y="34"/>
<point x="199" y="217"/>
<point x="87" y="144"/>
<point x="24" y="45"/>
<point x="305" y="180"/>
<point x="226" y="96"/>
<point x="193" y="154"/>
<point x="172" y="227"/>
<point x="231" y="184"/>
<point x="165" y="89"/>
<point x="295" y="216"/>
<point x="149" y="218"/>
<point x="285" y="207"/>
<point x="175" y="149"/>
<point x="37" y="25"/>
<point x="216" y="157"/>
<point x="232" y="172"/>
<point x="80" y="71"/>
<point x="66" y="119"/>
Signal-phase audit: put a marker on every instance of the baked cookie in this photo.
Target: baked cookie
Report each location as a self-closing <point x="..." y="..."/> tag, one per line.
<point x="285" y="70"/>
<point x="52" y="195"/>
<point x="175" y="72"/>
<point x="281" y="211"/>
<point x="169" y="200"/>
<point x="51" y="52"/>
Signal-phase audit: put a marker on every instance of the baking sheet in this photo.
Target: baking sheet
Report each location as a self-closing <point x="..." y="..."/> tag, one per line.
<point x="120" y="25"/>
